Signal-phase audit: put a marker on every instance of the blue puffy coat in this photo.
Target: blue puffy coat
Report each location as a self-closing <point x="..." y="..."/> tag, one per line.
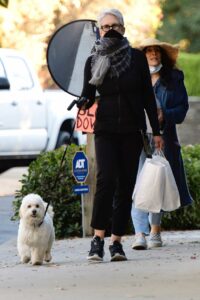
<point x="174" y="104"/>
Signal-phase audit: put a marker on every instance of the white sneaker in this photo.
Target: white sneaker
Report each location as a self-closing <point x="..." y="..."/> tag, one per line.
<point x="155" y="240"/>
<point x="139" y="242"/>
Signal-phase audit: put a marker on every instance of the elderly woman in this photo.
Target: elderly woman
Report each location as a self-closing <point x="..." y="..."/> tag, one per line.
<point x="121" y="76"/>
<point x="172" y="106"/>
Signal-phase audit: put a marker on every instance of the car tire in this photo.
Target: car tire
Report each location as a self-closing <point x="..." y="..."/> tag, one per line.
<point x="63" y="139"/>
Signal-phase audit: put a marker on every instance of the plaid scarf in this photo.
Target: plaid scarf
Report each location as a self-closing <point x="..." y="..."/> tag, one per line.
<point x="109" y="55"/>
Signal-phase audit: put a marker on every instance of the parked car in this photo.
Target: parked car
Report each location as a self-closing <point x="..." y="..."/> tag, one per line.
<point x="31" y="120"/>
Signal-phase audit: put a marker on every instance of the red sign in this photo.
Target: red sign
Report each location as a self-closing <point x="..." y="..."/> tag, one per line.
<point x="85" y="119"/>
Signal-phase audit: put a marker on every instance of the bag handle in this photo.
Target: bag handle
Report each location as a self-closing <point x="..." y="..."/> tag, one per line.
<point x="146" y="144"/>
<point x="159" y="152"/>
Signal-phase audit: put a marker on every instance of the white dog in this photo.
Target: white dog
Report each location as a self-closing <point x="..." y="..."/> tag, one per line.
<point x="35" y="234"/>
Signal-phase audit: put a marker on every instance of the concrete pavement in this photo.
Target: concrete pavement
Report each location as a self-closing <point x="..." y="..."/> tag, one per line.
<point x="168" y="273"/>
<point x="9" y="181"/>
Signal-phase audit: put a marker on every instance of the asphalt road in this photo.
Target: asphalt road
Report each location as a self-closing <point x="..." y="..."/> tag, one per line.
<point x="8" y="228"/>
<point x="9" y="183"/>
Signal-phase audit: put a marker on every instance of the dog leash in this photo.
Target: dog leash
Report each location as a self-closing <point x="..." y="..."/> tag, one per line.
<point x="58" y="174"/>
<point x="80" y="102"/>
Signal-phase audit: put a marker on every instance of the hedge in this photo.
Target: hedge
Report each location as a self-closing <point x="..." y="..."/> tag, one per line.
<point x="67" y="219"/>
<point x="188" y="217"/>
<point x="40" y="180"/>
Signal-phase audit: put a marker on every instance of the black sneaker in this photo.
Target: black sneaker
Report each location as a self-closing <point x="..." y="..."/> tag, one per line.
<point x="96" y="252"/>
<point x="116" y="252"/>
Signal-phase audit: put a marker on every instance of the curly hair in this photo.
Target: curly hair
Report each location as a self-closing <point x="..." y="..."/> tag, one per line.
<point x="166" y="70"/>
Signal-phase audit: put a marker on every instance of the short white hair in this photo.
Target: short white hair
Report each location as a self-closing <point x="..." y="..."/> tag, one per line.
<point x="110" y="11"/>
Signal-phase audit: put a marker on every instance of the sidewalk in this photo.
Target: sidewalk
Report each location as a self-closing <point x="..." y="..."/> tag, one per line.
<point x="9" y="181"/>
<point x="168" y="273"/>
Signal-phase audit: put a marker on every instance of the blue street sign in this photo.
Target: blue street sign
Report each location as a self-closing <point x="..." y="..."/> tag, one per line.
<point x="80" y="166"/>
<point x="81" y="189"/>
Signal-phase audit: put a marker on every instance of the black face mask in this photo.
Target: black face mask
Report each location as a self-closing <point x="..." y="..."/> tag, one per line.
<point x="113" y="34"/>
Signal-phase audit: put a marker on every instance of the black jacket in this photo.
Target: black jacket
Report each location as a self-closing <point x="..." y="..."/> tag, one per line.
<point x="122" y="100"/>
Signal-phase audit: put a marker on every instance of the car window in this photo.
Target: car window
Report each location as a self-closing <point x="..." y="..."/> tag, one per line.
<point x="18" y="73"/>
<point x="2" y="71"/>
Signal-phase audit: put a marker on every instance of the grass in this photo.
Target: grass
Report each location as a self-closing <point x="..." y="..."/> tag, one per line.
<point x="189" y="63"/>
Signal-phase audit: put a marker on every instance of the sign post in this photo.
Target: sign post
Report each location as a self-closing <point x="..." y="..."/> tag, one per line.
<point x="80" y="172"/>
<point x="85" y="122"/>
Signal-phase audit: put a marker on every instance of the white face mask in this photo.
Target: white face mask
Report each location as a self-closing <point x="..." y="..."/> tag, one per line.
<point x="155" y="69"/>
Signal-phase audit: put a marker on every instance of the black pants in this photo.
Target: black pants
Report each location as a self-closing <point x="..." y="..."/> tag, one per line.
<point x="117" y="157"/>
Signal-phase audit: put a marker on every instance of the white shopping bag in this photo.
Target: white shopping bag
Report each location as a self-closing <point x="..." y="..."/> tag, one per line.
<point x="171" y="197"/>
<point x="155" y="188"/>
<point x="149" y="188"/>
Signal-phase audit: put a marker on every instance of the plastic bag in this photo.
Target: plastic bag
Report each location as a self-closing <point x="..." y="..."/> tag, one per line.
<point x="155" y="188"/>
<point x="171" y="198"/>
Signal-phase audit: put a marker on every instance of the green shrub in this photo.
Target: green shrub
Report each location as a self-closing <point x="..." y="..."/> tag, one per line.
<point x="40" y="179"/>
<point x="189" y="63"/>
<point x="67" y="219"/>
<point x="188" y="217"/>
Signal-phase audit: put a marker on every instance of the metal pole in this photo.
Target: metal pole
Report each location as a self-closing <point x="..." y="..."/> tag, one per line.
<point x="83" y="215"/>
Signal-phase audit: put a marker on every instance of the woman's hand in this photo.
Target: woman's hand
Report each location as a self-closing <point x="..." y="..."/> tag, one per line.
<point x="82" y="103"/>
<point x="158" y="142"/>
